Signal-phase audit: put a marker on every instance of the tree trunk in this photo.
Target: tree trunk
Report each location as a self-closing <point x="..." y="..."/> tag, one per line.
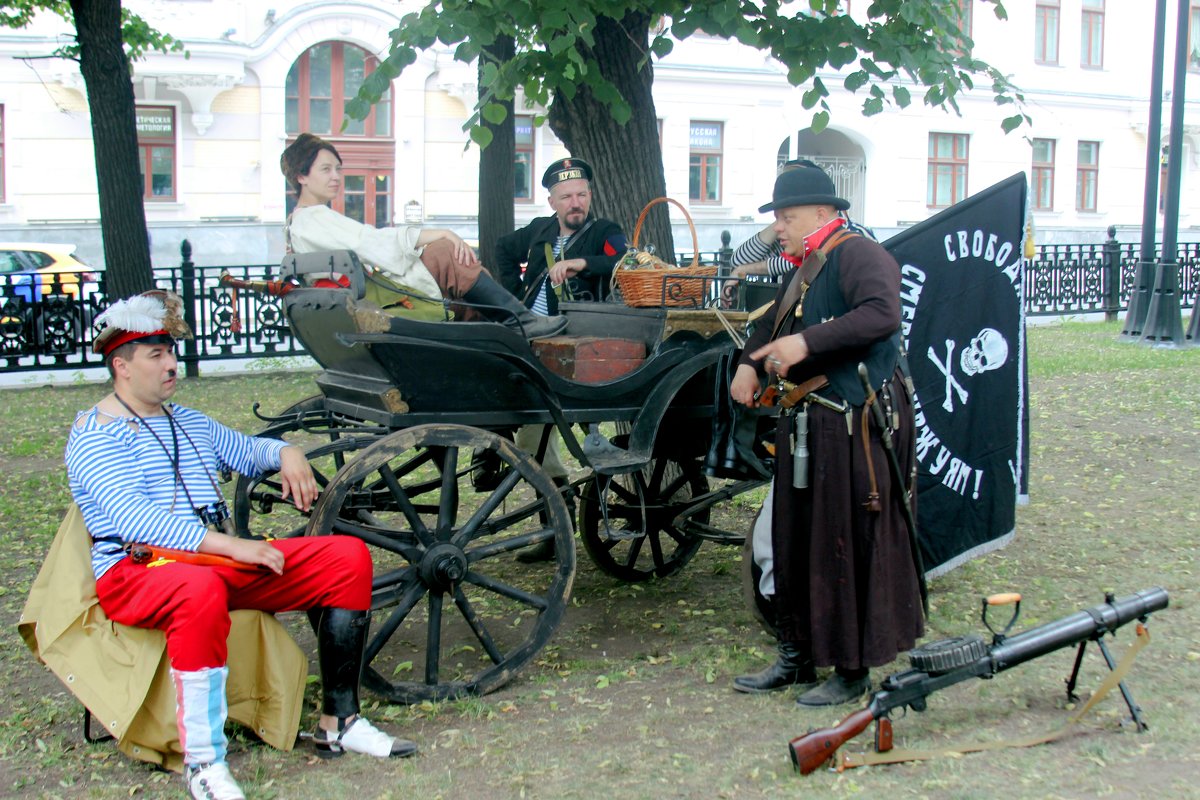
<point x="496" y="171"/>
<point x="106" y="73"/>
<point x="627" y="158"/>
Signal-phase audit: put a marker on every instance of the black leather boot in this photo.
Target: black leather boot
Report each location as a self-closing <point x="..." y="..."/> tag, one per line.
<point x="341" y="638"/>
<point x="497" y="304"/>
<point x="792" y="668"/>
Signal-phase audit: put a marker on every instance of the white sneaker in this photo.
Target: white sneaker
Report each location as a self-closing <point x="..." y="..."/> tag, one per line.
<point x="360" y="736"/>
<point x="212" y="782"/>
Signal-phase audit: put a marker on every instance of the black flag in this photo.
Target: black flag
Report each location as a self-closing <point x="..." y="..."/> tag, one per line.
<point x="964" y="330"/>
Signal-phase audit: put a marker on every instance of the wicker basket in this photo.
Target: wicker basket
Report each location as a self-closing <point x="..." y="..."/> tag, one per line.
<point x="661" y="284"/>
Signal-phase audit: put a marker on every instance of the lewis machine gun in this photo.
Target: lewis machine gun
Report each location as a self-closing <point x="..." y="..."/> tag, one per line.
<point x="949" y="661"/>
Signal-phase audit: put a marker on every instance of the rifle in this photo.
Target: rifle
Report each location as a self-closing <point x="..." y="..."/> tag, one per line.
<point x="949" y="661"/>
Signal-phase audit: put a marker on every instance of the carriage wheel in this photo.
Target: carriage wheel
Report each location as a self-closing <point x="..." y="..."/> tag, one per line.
<point x="261" y="511"/>
<point x="626" y="521"/>
<point x="258" y="496"/>
<point x="254" y="498"/>
<point x="757" y="604"/>
<point x="457" y="614"/>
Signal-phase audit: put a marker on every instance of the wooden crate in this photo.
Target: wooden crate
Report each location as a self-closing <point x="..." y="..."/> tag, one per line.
<point x="589" y="359"/>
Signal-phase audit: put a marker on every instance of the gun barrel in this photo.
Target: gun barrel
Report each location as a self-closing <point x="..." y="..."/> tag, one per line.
<point x="1078" y="627"/>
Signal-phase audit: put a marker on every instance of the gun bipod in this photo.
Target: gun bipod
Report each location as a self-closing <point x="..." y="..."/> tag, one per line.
<point x="1135" y="711"/>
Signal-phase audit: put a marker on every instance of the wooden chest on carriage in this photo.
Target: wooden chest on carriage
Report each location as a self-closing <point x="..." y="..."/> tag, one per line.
<point x="589" y="359"/>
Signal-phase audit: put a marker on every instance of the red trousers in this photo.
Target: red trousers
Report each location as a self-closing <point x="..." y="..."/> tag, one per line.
<point x="191" y="603"/>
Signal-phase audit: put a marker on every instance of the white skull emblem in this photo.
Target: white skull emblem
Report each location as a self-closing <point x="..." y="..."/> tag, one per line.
<point x="987" y="351"/>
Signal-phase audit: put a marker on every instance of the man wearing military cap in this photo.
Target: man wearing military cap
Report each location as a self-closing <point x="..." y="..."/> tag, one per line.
<point x="575" y="247"/>
<point x="584" y="248"/>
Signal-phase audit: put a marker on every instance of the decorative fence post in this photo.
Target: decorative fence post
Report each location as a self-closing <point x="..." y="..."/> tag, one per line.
<point x="725" y="254"/>
<point x="1112" y="275"/>
<point x="187" y="277"/>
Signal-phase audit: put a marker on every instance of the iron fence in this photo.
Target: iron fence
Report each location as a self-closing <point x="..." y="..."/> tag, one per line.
<point x="50" y="326"/>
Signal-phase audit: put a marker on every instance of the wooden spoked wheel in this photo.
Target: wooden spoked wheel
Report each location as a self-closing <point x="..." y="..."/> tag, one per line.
<point x="627" y="521"/>
<point x="456" y="613"/>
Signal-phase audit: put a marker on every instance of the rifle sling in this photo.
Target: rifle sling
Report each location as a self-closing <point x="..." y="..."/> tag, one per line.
<point x="1114" y="678"/>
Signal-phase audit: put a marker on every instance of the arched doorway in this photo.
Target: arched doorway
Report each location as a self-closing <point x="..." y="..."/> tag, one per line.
<point x="838" y="155"/>
<point x="318" y="86"/>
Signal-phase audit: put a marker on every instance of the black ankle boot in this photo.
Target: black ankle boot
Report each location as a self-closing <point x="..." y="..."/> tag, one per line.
<point x="792" y="668"/>
<point x="497" y="304"/>
<point x="341" y="637"/>
<point x="843" y="686"/>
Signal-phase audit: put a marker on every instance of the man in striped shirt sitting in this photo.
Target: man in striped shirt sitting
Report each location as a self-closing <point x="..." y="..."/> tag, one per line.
<point x="142" y="471"/>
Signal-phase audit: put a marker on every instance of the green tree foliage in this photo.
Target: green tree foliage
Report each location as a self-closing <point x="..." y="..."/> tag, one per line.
<point x="561" y="47"/>
<point x="139" y="36"/>
<point x="107" y="39"/>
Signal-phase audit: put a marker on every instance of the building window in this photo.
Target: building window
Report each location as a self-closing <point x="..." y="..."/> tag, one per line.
<point x="318" y="86"/>
<point x="1087" y="175"/>
<point x="156" y="151"/>
<point x="1045" y="36"/>
<point x="1043" y="174"/>
<point x="947" y="169"/>
<point x="523" y="166"/>
<point x="965" y="17"/>
<point x="1091" y="46"/>
<point x="1194" y="38"/>
<point x="367" y="196"/>
<point x="704" y="168"/>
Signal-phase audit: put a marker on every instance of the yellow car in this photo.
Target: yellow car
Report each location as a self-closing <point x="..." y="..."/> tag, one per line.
<point x="43" y="268"/>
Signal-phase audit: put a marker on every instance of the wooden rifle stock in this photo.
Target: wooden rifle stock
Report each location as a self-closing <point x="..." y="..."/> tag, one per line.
<point x="815" y="748"/>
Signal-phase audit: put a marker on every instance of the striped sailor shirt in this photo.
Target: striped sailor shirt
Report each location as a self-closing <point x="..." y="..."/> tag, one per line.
<point x="122" y="478"/>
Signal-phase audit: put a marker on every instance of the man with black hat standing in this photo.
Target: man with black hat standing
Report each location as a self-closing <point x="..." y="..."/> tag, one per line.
<point x="583" y="248"/>
<point x="837" y="568"/>
<point x="143" y="472"/>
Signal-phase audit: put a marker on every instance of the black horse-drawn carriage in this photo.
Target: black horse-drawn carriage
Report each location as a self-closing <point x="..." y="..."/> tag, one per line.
<point x="406" y="412"/>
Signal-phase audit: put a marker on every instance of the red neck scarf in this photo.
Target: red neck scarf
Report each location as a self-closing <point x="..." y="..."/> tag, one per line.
<point x="815" y="240"/>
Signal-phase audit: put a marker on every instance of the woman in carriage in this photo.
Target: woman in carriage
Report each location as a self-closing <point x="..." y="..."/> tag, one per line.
<point x="409" y="261"/>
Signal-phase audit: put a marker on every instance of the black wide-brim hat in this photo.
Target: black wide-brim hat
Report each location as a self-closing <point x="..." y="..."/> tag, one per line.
<point x="566" y="169"/>
<point x="804" y="186"/>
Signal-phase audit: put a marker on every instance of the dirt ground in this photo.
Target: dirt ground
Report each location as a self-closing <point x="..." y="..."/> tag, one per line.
<point x="631" y="697"/>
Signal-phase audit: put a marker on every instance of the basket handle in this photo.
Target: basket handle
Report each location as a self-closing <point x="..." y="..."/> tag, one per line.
<point x="637" y="229"/>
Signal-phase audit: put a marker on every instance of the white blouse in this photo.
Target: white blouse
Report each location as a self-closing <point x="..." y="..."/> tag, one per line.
<point x="392" y="251"/>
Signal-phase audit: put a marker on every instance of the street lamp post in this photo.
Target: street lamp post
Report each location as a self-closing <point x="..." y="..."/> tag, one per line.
<point x="1143" y="279"/>
<point x="1164" y="320"/>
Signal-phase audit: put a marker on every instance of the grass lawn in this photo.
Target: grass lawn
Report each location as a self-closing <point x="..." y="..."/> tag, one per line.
<point x="631" y="697"/>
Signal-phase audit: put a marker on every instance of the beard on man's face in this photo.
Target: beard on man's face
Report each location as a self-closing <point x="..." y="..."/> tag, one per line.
<point x="573" y="220"/>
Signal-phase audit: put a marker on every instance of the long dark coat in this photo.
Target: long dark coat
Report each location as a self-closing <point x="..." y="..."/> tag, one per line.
<point x="601" y="244"/>
<point x="845" y="582"/>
